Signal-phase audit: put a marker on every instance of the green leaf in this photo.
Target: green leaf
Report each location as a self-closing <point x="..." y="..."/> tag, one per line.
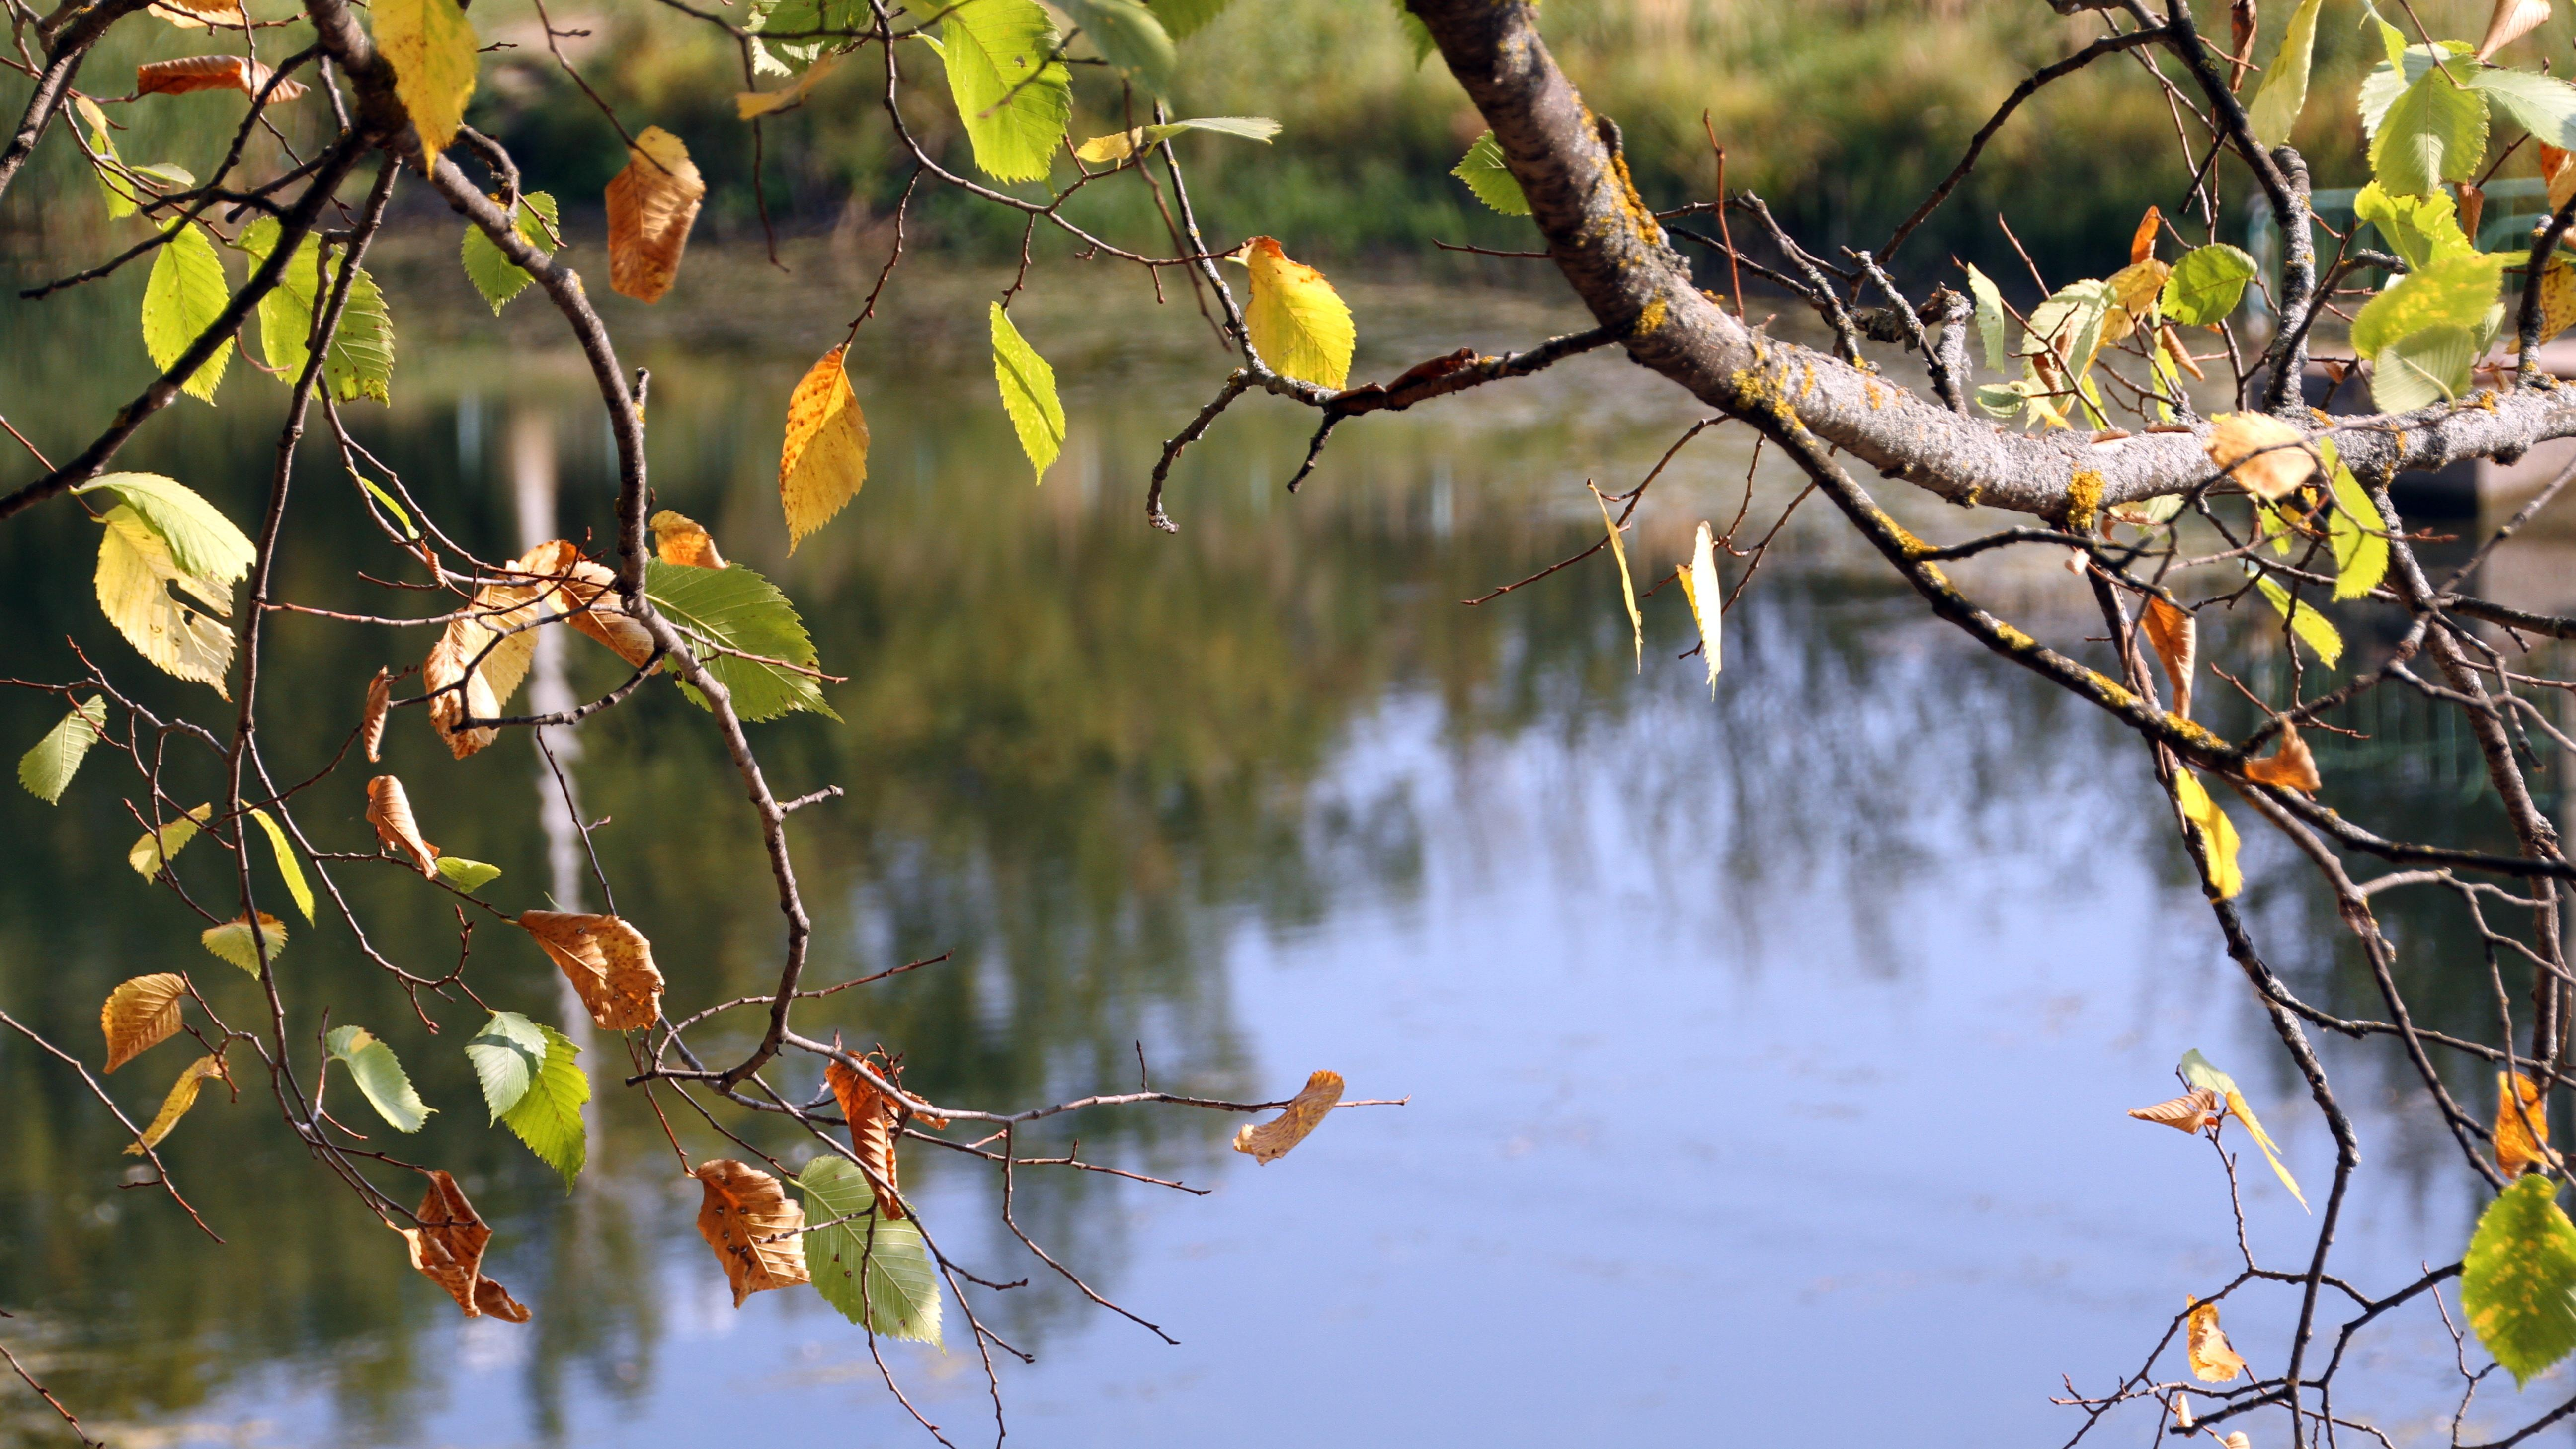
<point x="2422" y="229"/>
<point x="116" y="190"/>
<point x="47" y="768"/>
<point x="507" y="1054"/>
<point x="2284" y="92"/>
<point x="288" y="868"/>
<point x="2436" y="132"/>
<point x="1129" y="37"/>
<point x="535" y="1086"/>
<point x="1028" y="391"/>
<point x="1990" y="318"/>
<point x="1483" y="170"/>
<point x="1416" y="34"/>
<point x="232" y="942"/>
<point x="184" y="296"/>
<point x="899" y="1297"/>
<point x="1185" y="18"/>
<point x="434" y="54"/>
<point x="737" y="608"/>
<point x="2453" y="291"/>
<point x="466" y="875"/>
<point x="361" y="363"/>
<point x="2356" y="530"/>
<point x="200" y="539"/>
<point x="2312" y="628"/>
<point x="155" y="848"/>
<point x="497" y="277"/>
<point x="2423" y="368"/>
<point x="2381" y="88"/>
<point x="379" y="1075"/>
<point x="2542" y="105"/>
<point x="2518" y="1279"/>
<point x="1007" y="48"/>
<point x="2206" y="285"/>
<point x="803" y="17"/>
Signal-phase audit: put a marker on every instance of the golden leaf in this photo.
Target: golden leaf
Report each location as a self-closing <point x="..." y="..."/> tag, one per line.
<point x="825" y="456"/>
<point x="874" y="1120"/>
<point x="2135" y="287"/>
<point x="2175" y="633"/>
<point x="200" y="14"/>
<point x="1271" y="1140"/>
<point x="135" y="571"/>
<point x="2217" y="834"/>
<point x="183" y="1095"/>
<point x="758" y="1234"/>
<point x="2236" y="1108"/>
<point x="1627" y="586"/>
<point x="2267" y="456"/>
<point x="1298" y="322"/>
<point x="2557" y="291"/>
<point x="209" y="73"/>
<point x="2142" y="243"/>
<point x="380" y="698"/>
<point x="678" y="539"/>
<point x="2561" y="176"/>
<point x="448" y="1246"/>
<point x="2191" y="1112"/>
<point x="2213" y="1361"/>
<point x="155" y="848"/>
<point x="2520" y="1144"/>
<point x="140" y="1014"/>
<point x="389" y="810"/>
<point x="2292" y="766"/>
<point x="231" y="941"/>
<point x="651" y="206"/>
<point x="748" y="104"/>
<point x="608" y="962"/>
<point x="2512" y="20"/>
<point x="1701" y="586"/>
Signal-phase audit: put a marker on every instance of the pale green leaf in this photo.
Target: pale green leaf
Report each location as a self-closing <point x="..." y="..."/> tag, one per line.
<point x="47" y="768"/>
<point x="232" y="942"/>
<point x="2453" y="291"/>
<point x="1119" y="145"/>
<point x="2381" y="88"/>
<point x="2284" y="92"/>
<point x="897" y="1295"/>
<point x="794" y="18"/>
<point x="2518" y="1279"/>
<point x="1416" y="34"/>
<point x="1128" y="36"/>
<point x="737" y="608"/>
<point x="2542" y="105"/>
<point x="1990" y="319"/>
<point x="1185" y="18"/>
<point x="155" y="848"/>
<point x="200" y="539"/>
<point x="497" y="277"/>
<point x="2358" y="533"/>
<point x="534" y="1085"/>
<point x="2206" y="285"/>
<point x="288" y="868"/>
<point x="2312" y="628"/>
<point x="113" y="187"/>
<point x="2423" y="368"/>
<point x="135" y="572"/>
<point x="1485" y="174"/>
<point x="361" y="363"/>
<point x="2421" y="229"/>
<point x="1028" y="391"/>
<point x="184" y="296"/>
<point x="466" y="875"/>
<point x="2436" y="132"/>
<point x="507" y="1054"/>
<point x="379" y="1075"/>
<point x="1007" y="48"/>
<point x="434" y="55"/>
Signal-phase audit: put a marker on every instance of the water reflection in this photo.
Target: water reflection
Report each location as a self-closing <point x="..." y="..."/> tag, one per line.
<point x="1681" y="986"/>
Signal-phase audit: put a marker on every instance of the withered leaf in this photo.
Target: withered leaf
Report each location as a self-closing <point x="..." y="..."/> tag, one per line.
<point x="2175" y="633"/>
<point x="380" y="697"/>
<point x="2291" y="767"/>
<point x="389" y="810"/>
<point x="183" y="1095"/>
<point x="2190" y="1112"/>
<point x="2267" y="456"/>
<point x="651" y="206"/>
<point x="608" y="962"/>
<point x="1270" y="1141"/>
<point x="2512" y="20"/>
<point x="678" y="539"/>
<point x="448" y="1247"/>
<point x="209" y="73"/>
<point x="875" y="1121"/>
<point x="2213" y="1360"/>
<point x="757" y="1233"/>
<point x="586" y="590"/>
<point x="2521" y="1127"/>
<point x="549" y="581"/>
<point x="140" y="1014"/>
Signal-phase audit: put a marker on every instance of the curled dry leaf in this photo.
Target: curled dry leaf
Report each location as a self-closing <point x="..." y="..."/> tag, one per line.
<point x="2521" y="1126"/>
<point x="2557" y="292"/>
<point x="824" y="458"/>
<point x="209" y="73"/>
<point x="200" y="14"/>
<point x="448" y="1247"/>
<point x="496" y="637"/>
<point x="651" y="206"/>
<point x="2142" y="242"/>
<point x="608" y="962"/>
<point x="2191" y="1112"/>
<point x="2512" y="20"/>
<point x="678" y="539"/>
<point x="389" y="810"/>
<point x="2179" y="354"/>
<point x="380" y="698"/>
<point x="183" y="1095"/>
<point x="1271" y="1140"/>
<point x="2235" y="1439"/>
<point x="757" y="1233"/>
<point x="875" y="1121"/>
<point x="140" y="1014"/>
<point x="2213" y="1360"/>
<point x="2292" y="767"/>
<point x="2175" y="633"/>
<point x="586" y="591"/>
<point x="1701" y="586"/>
<point x="2265" y="455"/>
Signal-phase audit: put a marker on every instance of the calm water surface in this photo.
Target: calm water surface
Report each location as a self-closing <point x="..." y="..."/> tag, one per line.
<point x="1766" y="1054"/>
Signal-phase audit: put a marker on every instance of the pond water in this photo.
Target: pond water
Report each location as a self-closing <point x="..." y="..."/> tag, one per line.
<point x="1765" y="1055"/>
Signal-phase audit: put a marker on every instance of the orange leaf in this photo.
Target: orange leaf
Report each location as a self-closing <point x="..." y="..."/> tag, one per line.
<point x="2191" y="1112"/>
<point x="651" y="206"/>
<point x="140" y="1014"/>
<point x="2176" y="637"/>
<point x="2292" y="766"/>
<point x="1271" y="1140"/>
<point x="758" y="1234"/>
<point x="2213" y="1360"/>
<point x="2561" y="176"/>
<point x="874" y="1120"/>
<point x="825" y="456"/>
<point x="609" y="963"/>
<point x="679" y="540"/>
<point x="2521" y="1127"/>
<point x="209" y="73"/>
<point x="379" y="699"/>
<point x="2142" y="245"/>
<point x="389" y="810"/>
<point x="448" y="1246"/>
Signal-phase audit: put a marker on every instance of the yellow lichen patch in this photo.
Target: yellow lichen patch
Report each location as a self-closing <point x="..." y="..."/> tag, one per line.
<point x="2083" y="501"/>
<point x="1641" y="218"/>
<point x="1651" y="318"/>
<point x="2199" y="734"/>
<point x="1808" y="385"/>
<point x="1870" y="389"/>
<point x="1933" y="572"/>
<point x="2014" y="638"/>
<point x="2118" y="697"/>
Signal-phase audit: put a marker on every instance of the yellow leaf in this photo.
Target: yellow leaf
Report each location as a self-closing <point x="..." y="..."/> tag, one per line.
<point x="1116" y="146"/>
<point x="431" y="45"/>
<point x="757" y="1233"/>
<point x="140" y="1014"/>
<point x="748" y="104"/>
<point x="2521" y="1127"/>
<point x="2557" y="297"/>
<point x="2292" y="767"/>
<point x="2217" y="835"/>
<point x="200" y="14"/>
<point x="609" y="963"/>
<point x="2213" y="1359"/>
<point x="1627" y="587"/>
<point x="448" y="1247"/>
<point x="1701" y="586"/>
<point x="825" y="456"/>
<point x="651" y="206"/>
<point x="2561" y="176"/>
<point x="678" y="539"/>
<point x="875" y="1119"/>
<point x="389" y="810"/>
<point x="1298" y="322"/>
<point x="1271" y="1140"/>
<point x="2237" y="1108"/>
<point x="232" y="942"/>
<point x="2175" y="633"/>
<point x="155" y="849"/>
<point x="135" y="571"/>
<point x="183" y="1095"/>
<point x="2190" y="1112"/>
<point x="2269" y="457"/>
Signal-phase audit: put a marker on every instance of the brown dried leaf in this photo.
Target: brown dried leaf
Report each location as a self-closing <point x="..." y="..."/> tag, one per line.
<point x="2175" y="633"/>
<point x="586" y="590"/>
<point x="549" y="581"/>
<point x="2191" y="1112"/>
<point x="472" y="699"/>
<point x="2268" y="457"/>
<point x="679" y="540"/>
<point x="2213" y="1360"/>
<point x="651" y="205"/>
<point x="209" y="73"/>
<point x="2512" y="20"/>
<point x="183" y="1095"/>
<point x="2519" y="1147"/>
<point x="389" y="810"/>
<point x="758" y="1234"/>
<point x="140" y="1014"/>
<point x="380" y="698"/>
<point x="875" y="1121"/>
<point x="2472" y="206"/>
<point x="2180" y="354"/>
<point x="1271" y="1140"/>
<point x="448" y="1246"/>
<point x="2292" y="766"/>
<point x="608" y="962"/>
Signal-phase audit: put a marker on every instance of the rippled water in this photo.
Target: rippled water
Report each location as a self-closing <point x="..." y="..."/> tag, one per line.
<point x="1766" y="1055"/>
